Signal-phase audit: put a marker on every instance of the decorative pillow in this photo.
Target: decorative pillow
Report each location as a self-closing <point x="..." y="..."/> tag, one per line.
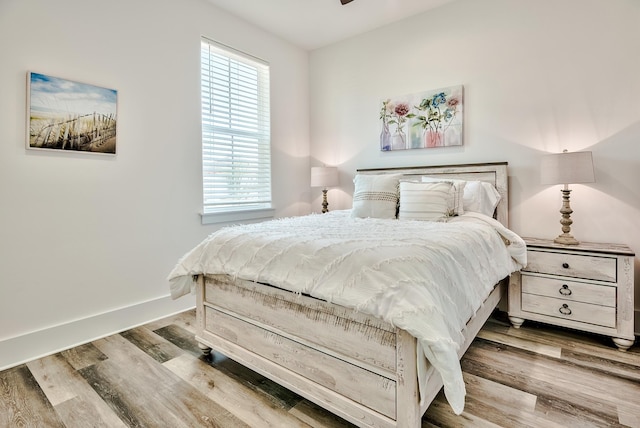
<point x="481" y="197"/>
<point x="375" y="196"/>
<point x="456" y="203"/>
<point x="424" y="201"/>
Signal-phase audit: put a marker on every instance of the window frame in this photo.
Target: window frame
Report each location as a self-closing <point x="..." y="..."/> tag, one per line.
<point x="245" y="129"/>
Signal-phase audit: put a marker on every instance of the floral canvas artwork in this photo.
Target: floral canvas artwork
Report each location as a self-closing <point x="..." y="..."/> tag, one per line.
<point x="425" y="120"/>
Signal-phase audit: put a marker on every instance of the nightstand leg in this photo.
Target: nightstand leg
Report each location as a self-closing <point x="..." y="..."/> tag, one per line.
<point x="206" y="350"/>
<point x="622" y="344"/>
<point x="516" y="322"/>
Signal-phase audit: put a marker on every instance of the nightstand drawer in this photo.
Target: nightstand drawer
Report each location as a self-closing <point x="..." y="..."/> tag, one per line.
<point x="560" y="288"/>
<point x="565" y="309"/>
<point x="573" y="265"/>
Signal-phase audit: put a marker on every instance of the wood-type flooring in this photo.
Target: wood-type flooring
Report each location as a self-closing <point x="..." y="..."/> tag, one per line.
<point x="155" y="376"/>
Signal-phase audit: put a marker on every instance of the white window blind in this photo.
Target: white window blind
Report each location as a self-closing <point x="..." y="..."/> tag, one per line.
<point x="236" y="144"/>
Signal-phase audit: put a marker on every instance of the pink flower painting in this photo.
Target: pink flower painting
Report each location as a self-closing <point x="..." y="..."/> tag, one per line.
<point x="425" y="120"/>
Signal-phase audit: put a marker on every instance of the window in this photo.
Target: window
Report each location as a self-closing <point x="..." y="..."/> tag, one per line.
<point x="236" y="152"/>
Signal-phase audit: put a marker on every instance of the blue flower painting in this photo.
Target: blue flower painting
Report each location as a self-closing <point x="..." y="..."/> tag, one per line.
<point x="425" y="120"/>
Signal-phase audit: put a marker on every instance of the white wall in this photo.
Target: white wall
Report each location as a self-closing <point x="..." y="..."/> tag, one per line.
<point x="87" y="241"/>
<point x="538" y="76"/>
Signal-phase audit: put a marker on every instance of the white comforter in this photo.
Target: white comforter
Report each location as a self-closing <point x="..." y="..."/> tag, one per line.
<point x="427" y="278"/>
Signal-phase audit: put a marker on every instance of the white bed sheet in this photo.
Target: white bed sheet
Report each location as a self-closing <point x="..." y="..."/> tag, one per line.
<point x="427" y="278"/>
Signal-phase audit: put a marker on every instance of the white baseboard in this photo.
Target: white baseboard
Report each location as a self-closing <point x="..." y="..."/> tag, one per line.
<point x="27" y="347"/>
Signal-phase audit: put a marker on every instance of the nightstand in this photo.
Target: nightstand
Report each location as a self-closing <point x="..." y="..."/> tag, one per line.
<point x="587" y="287"/>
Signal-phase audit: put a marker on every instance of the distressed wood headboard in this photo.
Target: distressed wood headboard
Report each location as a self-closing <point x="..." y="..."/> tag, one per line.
<point x="494" y="173"/>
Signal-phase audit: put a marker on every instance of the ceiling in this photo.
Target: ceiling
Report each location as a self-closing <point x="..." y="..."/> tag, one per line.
<point x="312" y="24"/>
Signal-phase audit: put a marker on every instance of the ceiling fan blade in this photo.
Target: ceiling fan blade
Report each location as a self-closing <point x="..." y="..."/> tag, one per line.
<point x="345" y="1"/>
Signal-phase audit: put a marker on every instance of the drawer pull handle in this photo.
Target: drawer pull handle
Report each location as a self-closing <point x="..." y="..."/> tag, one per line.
<point x="564" y="310"/>
<point x="565" y="290"/>
<point x="565" y="265"/>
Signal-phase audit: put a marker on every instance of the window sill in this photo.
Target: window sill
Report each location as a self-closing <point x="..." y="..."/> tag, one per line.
<point x="237" y="216"/>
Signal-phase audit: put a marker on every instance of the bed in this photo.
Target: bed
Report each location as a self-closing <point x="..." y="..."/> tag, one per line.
<point x="354" y="359"/>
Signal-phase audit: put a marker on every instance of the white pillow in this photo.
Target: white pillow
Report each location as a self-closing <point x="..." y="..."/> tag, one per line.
<point x="375" y="196"/>
<point x="424" y="201"/>
<point x="481" y="197"/>
<point x="456" y="202"/>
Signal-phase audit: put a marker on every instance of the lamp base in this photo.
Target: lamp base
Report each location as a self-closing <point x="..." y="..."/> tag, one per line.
<point x="325" y="204"/>
<point x="566" y="239"/>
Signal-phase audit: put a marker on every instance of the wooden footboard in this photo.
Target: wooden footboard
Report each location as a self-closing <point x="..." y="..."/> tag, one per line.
<point x="354" y="365"/>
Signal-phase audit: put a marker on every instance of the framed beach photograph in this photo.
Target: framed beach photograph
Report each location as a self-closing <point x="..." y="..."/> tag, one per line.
<point x="424" y="120"/>
<point x="65" y="115"/>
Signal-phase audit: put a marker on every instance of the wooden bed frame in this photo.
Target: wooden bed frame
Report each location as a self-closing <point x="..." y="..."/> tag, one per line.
<point x="352" y="364"/>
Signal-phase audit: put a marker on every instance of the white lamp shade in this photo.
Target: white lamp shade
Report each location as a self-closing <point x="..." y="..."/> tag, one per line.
<point x="567" y="168"/>
<point x="324" y="176"/>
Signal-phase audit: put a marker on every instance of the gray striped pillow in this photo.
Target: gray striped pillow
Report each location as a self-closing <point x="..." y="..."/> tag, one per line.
<point x="424" y="201"/>
<point x="456" y="198"/>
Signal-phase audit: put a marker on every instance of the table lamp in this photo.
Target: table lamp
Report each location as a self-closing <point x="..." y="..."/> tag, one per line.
<point x="566" y="168"/>
<point x="325" y="177"/>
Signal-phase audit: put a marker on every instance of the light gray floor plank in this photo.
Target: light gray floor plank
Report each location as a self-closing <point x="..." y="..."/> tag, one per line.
<point x="277" y="394"/>
<point x="153" y="345"/>
<point x="316" y="416"/>
<point x="83" y="356"/>
<point x="22" y="402"/>
<point x="72" y="397"/>
<point x="150" y="394"/>
<point x="248" y="404"/>
<point x="79" y="413"/>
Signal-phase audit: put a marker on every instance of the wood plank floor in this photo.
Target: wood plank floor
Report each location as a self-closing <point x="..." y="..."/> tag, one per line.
<point x="155" y="376"/>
